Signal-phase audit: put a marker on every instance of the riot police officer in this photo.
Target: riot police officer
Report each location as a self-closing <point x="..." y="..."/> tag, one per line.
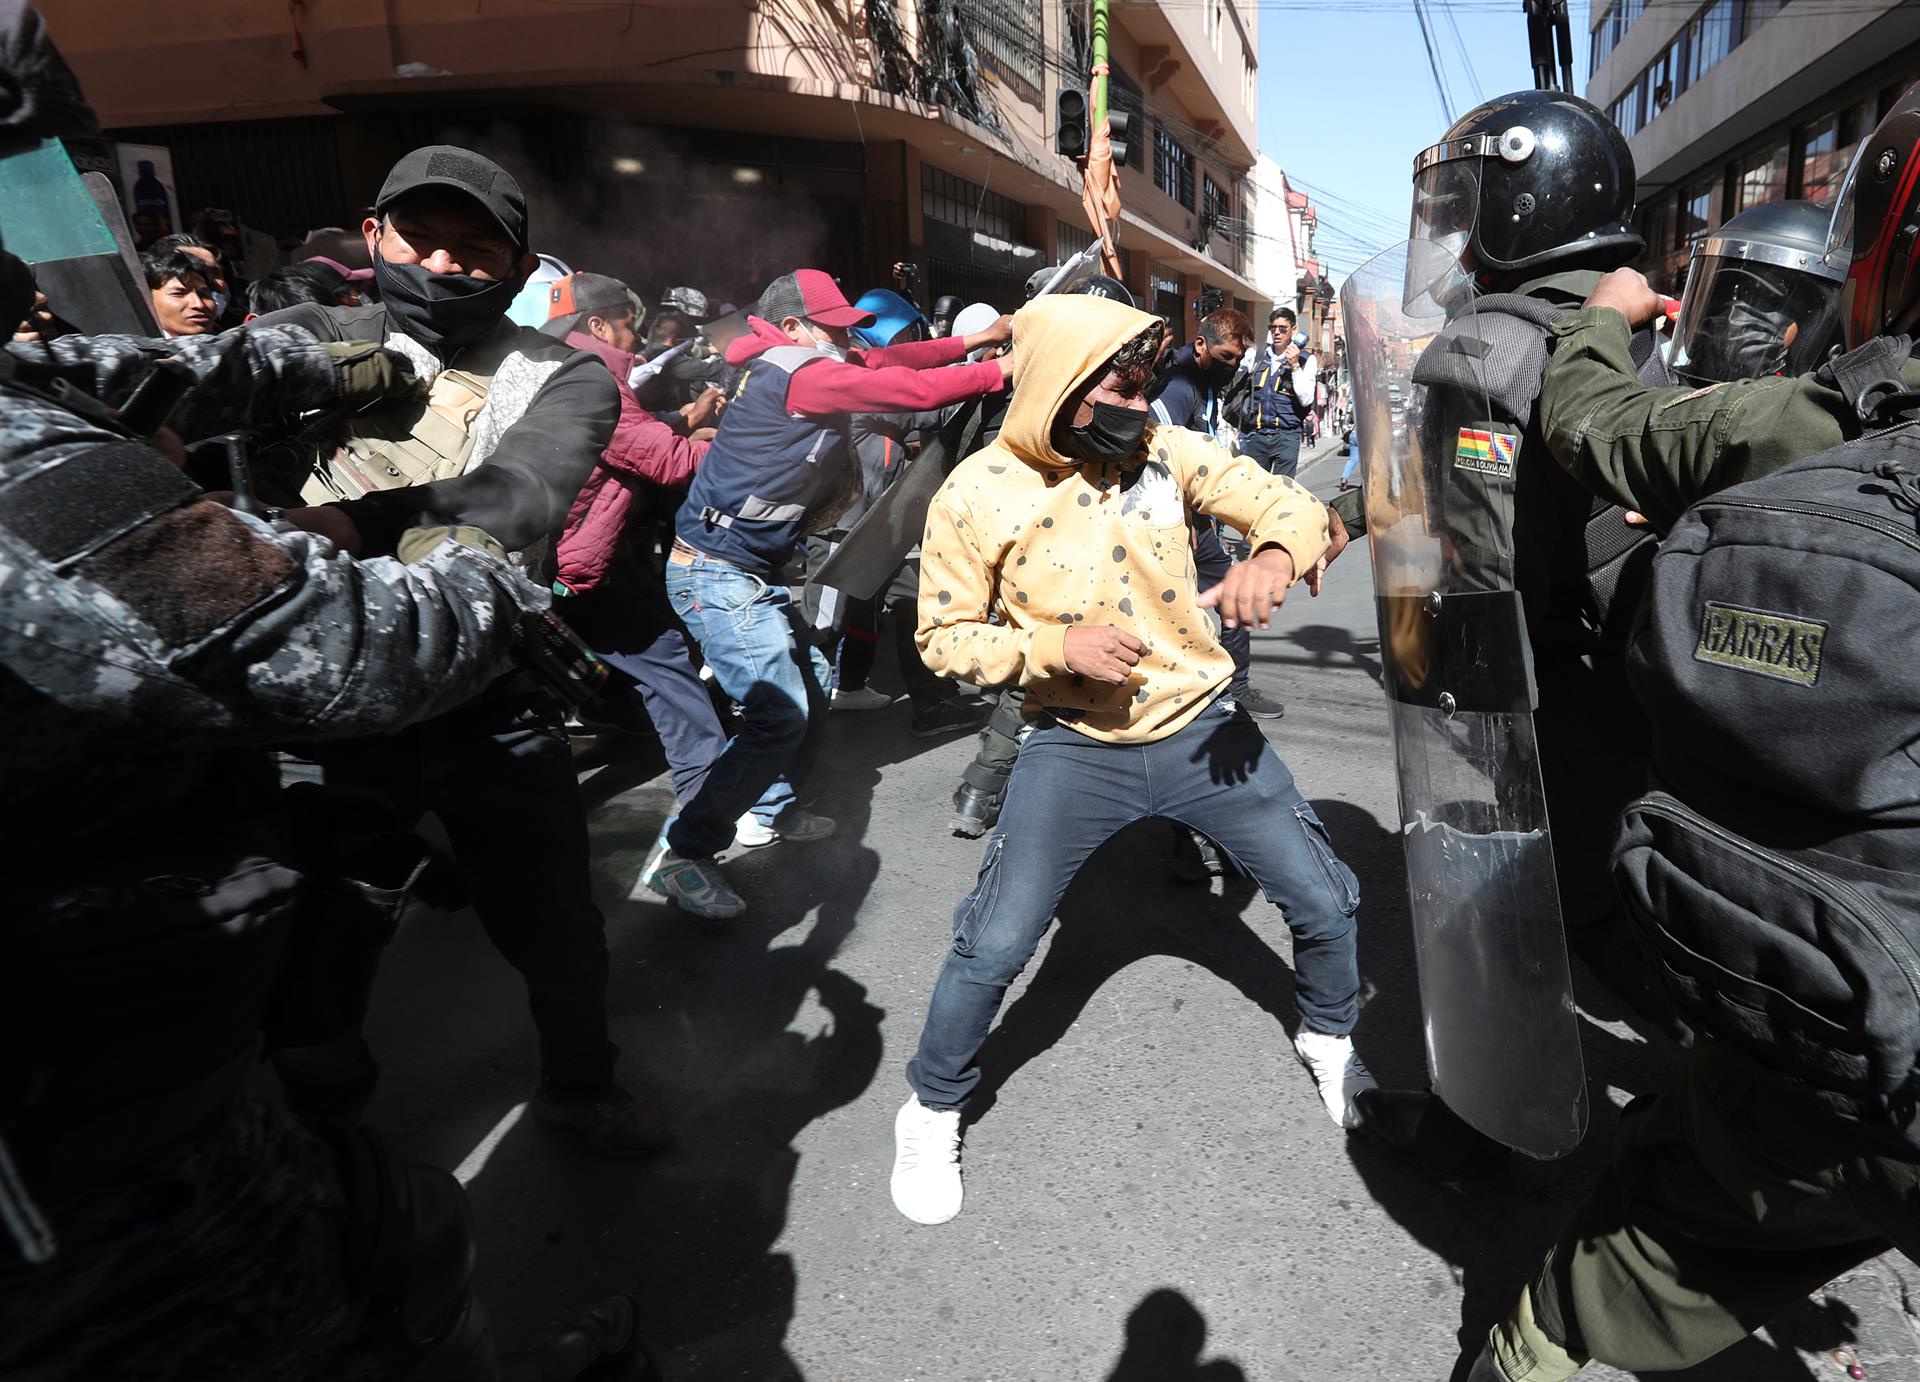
<point x="1762" y="297"/>
<point x="1517" y="212"/>
<point x="1745" y="1185"/>
<point x="160" y="1221"/>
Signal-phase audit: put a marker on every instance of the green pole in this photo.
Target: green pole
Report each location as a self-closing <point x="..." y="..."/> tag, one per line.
<point x="1099" y="27"/>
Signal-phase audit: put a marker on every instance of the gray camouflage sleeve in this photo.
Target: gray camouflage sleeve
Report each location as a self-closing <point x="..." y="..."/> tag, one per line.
<point x="247" y="377"/>
<point x="206" y="626"/>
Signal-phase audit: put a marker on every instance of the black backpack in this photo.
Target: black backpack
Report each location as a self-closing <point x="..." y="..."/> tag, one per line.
<point x="1776" y="875"/>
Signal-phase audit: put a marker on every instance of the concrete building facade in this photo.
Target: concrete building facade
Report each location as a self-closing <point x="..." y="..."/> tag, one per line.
<point x="706" y="142"/>
<point x="1731" y="103"/>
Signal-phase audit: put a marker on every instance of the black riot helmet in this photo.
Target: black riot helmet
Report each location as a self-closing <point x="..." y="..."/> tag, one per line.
<point x="1106" y="286"/>
<point x="945" y="309"/>
<point x="1876" y="221"/>
<point x="1532" y="181"/>
<point x="1762" y="297"/>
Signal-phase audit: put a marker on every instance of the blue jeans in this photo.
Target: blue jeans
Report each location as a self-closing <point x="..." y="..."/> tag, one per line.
<point x="1277" y="450"/>
<point x="626" y="620"/>
<point x="1067" y="797"/>
<point x="756" y="640"/>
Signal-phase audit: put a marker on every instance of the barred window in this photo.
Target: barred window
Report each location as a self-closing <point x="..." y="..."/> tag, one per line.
<point x="1069" y="240"/>
<point x="1172" y="167"/>
<point x="1007" y="34"/>
<point x="1215" y="205"/>
<point x="958" y="202"/>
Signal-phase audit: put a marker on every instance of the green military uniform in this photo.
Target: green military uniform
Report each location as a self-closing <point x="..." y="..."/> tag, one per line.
<point x="1731" y="1195"/>
<point x="1730" y="1198"/>
<point x="1660" y="450"/>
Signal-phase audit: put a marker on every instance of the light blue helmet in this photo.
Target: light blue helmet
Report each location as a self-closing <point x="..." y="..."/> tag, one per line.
<point x="892" y="315"/>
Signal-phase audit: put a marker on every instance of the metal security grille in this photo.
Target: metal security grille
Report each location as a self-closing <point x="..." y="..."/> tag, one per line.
<point x="1069" y="240"/>
<point x="975" y="282"/>
<point x="279" y="176"/>
<point x="1007" y="34"/>
<point x="958" y="202"/>
<point x="1172" y="167"/>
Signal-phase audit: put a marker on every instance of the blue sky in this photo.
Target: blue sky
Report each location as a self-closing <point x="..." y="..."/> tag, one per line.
<point x="1347" y="99"/>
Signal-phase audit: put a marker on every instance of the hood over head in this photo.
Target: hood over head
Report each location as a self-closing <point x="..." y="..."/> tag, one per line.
<point x="1060" y="341"/>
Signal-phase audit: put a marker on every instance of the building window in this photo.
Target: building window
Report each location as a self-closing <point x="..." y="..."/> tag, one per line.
<point x="1069" y="240"/>
<point x="955" y="201"/>
<point x="1696" y="213"/>
<point x="1827" y="148"/>
<point x="1711" y="35"/>
<point x="1076" y="45"/>
<point x="1760" y="11"/>
<point x="1007" y="34"/>
<point x="1216" y="205"/>
<point x="1172" y="167"/>
<point x="1760" y="178"/>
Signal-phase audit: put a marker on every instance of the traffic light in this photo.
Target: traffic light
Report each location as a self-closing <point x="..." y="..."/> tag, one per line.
<point x="1070" y="135"/>
<point x="1119" y="124"/>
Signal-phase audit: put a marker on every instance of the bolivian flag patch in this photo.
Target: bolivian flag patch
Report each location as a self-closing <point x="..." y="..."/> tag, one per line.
<point x="1486" y="451"/>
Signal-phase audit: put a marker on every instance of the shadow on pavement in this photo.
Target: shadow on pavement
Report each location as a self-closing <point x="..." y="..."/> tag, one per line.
<point x="1166" y="1335"/>
<point x="746" y="1032"/>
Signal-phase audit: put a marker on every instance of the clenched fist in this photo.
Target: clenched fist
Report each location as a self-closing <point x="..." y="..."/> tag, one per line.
<point x="1251" y="590"/>
<point x="1102" y="652"/>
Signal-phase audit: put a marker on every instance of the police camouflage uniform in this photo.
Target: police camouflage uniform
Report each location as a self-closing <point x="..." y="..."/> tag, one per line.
<point x="160" y="1223"/>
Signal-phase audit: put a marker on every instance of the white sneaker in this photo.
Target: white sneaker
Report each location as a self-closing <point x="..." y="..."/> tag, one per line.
<point x="1336" y="1068"/>
<point x="693" y="885"/>
<point x="926" y="1162"/>
<point x="792" y="824"/>
<point x="860" y="698"/>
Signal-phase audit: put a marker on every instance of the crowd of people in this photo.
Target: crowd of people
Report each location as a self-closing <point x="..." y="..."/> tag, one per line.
<point x="426" y="505"/>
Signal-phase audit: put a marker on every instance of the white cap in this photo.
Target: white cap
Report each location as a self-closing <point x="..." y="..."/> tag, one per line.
<point x="975" y="316"/>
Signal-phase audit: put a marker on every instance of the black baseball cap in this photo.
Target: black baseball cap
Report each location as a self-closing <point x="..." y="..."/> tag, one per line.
<point x="463" y="170"/>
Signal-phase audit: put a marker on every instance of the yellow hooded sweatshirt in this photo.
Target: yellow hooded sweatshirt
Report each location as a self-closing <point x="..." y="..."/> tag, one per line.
<point x="1046" y="542"/>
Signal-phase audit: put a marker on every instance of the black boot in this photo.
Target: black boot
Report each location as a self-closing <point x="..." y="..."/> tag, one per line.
<point x="604" y="1345"/>
<point x="974" y="810"/>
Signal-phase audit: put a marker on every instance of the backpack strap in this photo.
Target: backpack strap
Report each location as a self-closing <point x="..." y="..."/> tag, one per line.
<point x="1869" y="379"/>
<point x="1500" y="348"/>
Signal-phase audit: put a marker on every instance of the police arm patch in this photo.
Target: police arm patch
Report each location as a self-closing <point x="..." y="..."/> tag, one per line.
<point x="1487" y="449"/>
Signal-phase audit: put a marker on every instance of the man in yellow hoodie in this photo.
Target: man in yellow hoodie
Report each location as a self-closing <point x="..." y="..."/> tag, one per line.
<point x="1061" y="558"/>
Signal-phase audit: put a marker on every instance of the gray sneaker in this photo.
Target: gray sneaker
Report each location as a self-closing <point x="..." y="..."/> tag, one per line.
<point x="693" y="885"/>
<point x="1260" y="705"/>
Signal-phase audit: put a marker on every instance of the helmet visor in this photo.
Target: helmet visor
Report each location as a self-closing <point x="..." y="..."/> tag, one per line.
<point x="1446" y="204"/>
<point x="1840" y="228"/>
<point x="1745" y="319"/>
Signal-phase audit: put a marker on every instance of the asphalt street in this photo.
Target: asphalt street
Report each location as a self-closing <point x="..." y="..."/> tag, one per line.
<point x="1154" y="1193"/>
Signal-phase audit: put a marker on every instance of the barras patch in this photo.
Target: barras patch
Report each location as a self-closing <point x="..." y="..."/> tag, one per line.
<point x="1488" y="452"/>
<point x="1757" y="640"/>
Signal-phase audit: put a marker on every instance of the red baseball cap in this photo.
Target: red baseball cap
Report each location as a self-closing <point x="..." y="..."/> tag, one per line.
<point x="810" y="294"/>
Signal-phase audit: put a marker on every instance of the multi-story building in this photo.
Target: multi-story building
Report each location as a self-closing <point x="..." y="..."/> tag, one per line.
<point x="1731" y="103"/>
<point x="1283" y="222"/>
<point x="708" y="142"/>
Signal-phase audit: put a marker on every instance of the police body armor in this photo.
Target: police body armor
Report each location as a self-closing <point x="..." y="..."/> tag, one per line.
<point x="1502" y="1042"/>
<point x="408" y="442"/>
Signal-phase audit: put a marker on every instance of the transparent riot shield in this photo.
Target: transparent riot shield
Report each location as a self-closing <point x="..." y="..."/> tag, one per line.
<point x="1503" y="1043"/>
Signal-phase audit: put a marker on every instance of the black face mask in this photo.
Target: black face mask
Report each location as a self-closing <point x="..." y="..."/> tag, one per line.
<point x="442" y="311"/>
<point x="1220" y="372"/>
<point x="1110" y="438"/>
